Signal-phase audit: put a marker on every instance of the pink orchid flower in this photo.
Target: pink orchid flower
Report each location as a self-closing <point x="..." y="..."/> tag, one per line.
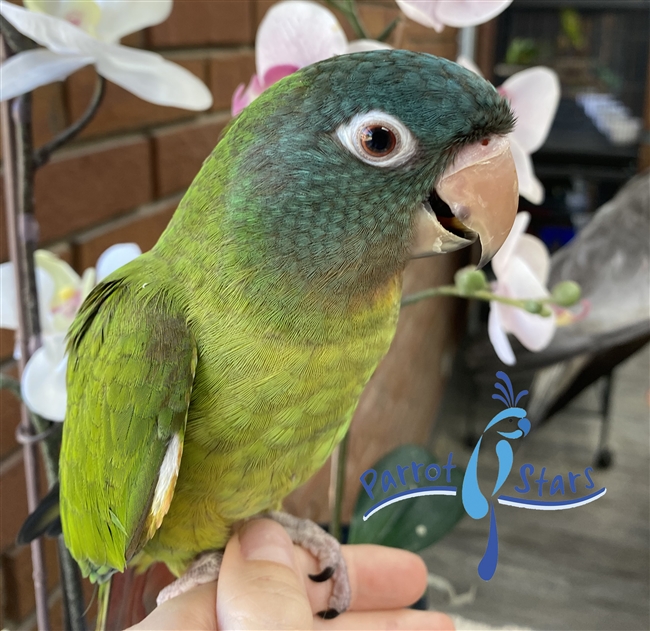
<point x="534" y="95"/>
<point x="293" y="35"/>
<point x="437" y="14"/>
<point x="521" y="267"/>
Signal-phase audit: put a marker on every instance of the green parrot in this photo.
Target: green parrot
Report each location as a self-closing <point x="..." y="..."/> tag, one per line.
<point x="214" y="374"/>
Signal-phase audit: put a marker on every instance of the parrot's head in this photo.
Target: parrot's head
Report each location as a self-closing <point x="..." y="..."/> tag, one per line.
<point x="349" y="167"/>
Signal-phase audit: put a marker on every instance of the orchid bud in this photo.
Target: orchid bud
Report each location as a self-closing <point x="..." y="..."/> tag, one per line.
<point x="566" y="293"/>
<point x="470" y="280"/>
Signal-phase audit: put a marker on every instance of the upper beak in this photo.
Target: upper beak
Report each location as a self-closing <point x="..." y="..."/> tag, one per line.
<point x="476" y="197"/>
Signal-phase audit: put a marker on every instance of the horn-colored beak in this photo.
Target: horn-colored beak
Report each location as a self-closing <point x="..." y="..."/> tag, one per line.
<point x="476" y="198"/>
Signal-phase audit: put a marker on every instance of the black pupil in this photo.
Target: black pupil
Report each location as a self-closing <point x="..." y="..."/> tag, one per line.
<point x="378" y="139"/>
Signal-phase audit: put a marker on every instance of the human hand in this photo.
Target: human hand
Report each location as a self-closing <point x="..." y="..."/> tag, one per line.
<point x="263" y="584"/>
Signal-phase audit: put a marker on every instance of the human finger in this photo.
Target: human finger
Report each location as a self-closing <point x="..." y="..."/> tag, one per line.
<point x="192" y="611"/>
<point x="260" y="583"/>
<point x="380" y="578"/>
<point x="394" y="620"/>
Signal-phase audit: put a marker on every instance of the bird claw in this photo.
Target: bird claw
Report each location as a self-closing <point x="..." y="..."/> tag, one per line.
<point x="327" y="551"/>
<point x="204" y="568"/>
<point x="303" y="532"/>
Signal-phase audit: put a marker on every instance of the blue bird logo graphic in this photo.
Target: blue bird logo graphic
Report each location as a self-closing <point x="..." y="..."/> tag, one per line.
<point x="474" y="502"/>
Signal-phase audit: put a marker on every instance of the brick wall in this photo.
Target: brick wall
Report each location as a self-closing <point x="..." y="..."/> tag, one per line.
<point x="120" y="181"/>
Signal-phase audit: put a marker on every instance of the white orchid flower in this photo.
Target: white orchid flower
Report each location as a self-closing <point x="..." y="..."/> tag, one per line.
<point x="521" y="267"/>
<point x="77" y="33"/>
<point x="437" y="14"/>
<point x="60" y="294"/>
<point x="293" y="35"/>
<point x="534" y="96"/>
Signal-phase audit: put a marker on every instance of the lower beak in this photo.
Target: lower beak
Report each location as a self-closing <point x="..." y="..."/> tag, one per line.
<point x="476" y="198"/>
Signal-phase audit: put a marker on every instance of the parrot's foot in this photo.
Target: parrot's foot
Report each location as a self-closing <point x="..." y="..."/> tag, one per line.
<point x="327" y="550"/>
<point x="204" y="568"/>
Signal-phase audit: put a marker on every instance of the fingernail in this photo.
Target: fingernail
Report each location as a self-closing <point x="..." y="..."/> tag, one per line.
<point x="264" y="540"/>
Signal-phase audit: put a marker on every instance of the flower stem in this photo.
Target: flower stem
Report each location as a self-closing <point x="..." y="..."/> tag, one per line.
<point x="386" y="33"/>
<point x="337" y="486"/>
<point x="43" y="154"/>
<point x="451" y="290"/>
<point x="349" y="9"/>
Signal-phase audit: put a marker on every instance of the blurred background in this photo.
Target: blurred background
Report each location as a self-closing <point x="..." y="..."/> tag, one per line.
<point x="121" y="180"/>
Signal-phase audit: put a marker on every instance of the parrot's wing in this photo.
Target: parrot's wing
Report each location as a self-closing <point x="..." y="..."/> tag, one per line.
<point x="132" y="361"/>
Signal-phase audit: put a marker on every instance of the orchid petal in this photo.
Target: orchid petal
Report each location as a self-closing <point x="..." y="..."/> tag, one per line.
<point x="529" y="186"/>
<point x="239" y="100"/>
<point x="534" y="253"/>
<point x="8" y="298"/>
<point x="31" y="69"/>
<point x="60" y="272"/>
<point x="152" y="78"/>
<point x="534" y="95"/>
<point x="82" y="13"/>
<point x="364" y="45"/>
<point x="297" y="33"/>
<point x="535" y="332"/>
<point x="423" y="12"/>
<point x="43" y="383"/>
<point x="462" y="13"/>
<point x="274" y="74"/>
<point x="498" y="336"/>
<point x="88" y="281"/>
<point x="244" y="95"/>
<point x="503" y="258"/>
<point x="519" y="280"/>
<point x="54" y="33"/>
<point x="45" y="291"/>
<point x="115" y="257"/>
<point x="122" y="17"/>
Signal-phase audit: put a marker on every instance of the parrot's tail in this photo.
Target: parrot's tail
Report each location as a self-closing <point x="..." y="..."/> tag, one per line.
<point x="102" y="604"/>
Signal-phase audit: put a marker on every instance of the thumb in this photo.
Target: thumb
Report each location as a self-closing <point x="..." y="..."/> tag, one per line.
<point x="260" y="585"/>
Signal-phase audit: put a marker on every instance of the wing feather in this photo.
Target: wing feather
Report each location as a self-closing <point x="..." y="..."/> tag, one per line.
<point x="132" y="361"/>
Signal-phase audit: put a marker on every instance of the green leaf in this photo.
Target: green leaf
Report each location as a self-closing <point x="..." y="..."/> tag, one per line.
<point x="411" y="524"/>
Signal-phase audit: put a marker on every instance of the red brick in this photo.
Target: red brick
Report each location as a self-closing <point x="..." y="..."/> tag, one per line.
<point x="227" y="71"/>
<point x="142" y="228"/>
<point x="17" y="578"/>
<point x="199" y="23"/>
<point x="6" y="344"/>
<point x="48" y="113"/>
<point x="422" y="39"/>
<point x="180" y="151"/>
<point x="120" y="110"/>
<point x="376" y="17"/>
<point x="85" y="186"/>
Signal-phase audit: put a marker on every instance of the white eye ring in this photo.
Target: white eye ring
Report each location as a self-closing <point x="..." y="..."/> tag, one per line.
<point x="350" y="134"/>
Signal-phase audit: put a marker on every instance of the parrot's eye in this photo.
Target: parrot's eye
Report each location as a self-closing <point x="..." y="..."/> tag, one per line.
<point x="377" y="141"/>
<point x="377" y="138"/>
